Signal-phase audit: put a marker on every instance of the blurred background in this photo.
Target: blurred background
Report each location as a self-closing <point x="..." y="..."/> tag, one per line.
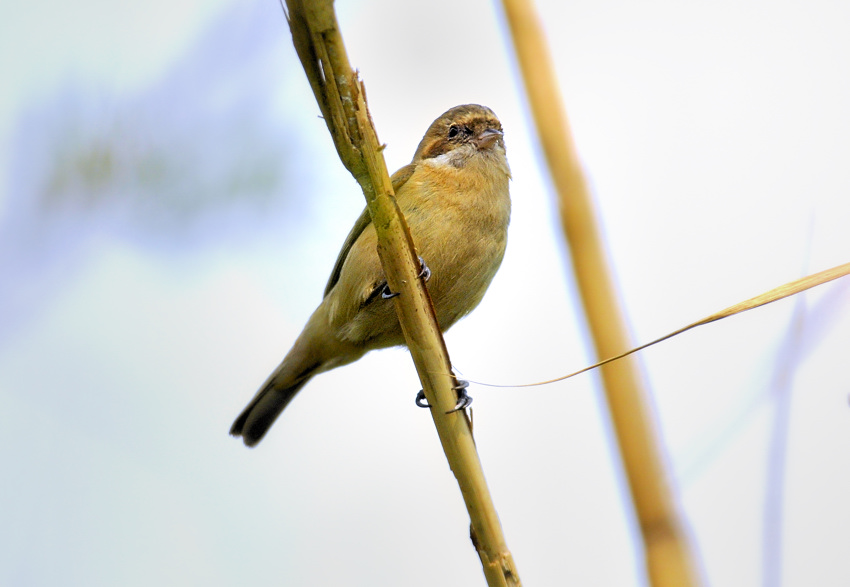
<point x="171" y="207"/>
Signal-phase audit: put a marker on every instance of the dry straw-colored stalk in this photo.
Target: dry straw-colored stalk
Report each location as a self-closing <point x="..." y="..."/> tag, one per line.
<point x="342" y="100"/>
<point x="774" y="295"/>
<point x="669" y="560"/>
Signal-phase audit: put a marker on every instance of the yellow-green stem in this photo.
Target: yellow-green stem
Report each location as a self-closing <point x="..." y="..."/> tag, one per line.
<point x="341" y="98"/>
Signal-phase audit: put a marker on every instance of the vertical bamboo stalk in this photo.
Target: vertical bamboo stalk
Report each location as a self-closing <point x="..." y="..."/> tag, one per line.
<point x="668" y="557"/>
<point x="342" y="100"/>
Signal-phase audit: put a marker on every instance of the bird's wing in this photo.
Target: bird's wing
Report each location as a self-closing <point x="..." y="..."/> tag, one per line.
<point x="399" y="178"/>
<point x="362" y="222"/>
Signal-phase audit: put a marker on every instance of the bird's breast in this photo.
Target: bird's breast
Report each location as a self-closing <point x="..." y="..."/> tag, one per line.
<point x="458" y="218"/>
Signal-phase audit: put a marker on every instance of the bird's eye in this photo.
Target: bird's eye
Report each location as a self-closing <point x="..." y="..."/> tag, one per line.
<point x="453" y="131"/>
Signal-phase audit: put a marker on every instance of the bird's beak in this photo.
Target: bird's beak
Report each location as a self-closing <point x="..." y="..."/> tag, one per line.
<point x="487" y="138"/>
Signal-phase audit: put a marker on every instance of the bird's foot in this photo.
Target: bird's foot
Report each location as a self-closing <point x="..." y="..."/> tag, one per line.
<point x="421" y="401"/>
<point x="424" y="270"/>
<point x="387" y="294"/>
<point x="463" y="398"/>
<point x="424" y="273"/>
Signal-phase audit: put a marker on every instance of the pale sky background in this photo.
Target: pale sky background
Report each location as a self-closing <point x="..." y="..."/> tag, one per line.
<point x="171" y="207"/>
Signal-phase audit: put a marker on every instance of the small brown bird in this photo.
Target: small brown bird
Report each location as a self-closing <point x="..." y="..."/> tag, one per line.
<point x="454" y="195"/>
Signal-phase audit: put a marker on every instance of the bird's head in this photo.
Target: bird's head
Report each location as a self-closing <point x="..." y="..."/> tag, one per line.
<point x="460" y="133"/>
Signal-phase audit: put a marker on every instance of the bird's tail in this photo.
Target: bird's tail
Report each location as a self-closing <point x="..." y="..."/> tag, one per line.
<point x="275" y="394"/>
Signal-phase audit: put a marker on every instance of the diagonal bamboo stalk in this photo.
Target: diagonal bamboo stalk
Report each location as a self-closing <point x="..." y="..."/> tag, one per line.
<point x="342" y="100"/>
<point x="668" y="557"/>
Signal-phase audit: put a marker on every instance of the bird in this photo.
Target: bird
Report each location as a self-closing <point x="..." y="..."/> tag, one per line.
<point x="454" y="195"/>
